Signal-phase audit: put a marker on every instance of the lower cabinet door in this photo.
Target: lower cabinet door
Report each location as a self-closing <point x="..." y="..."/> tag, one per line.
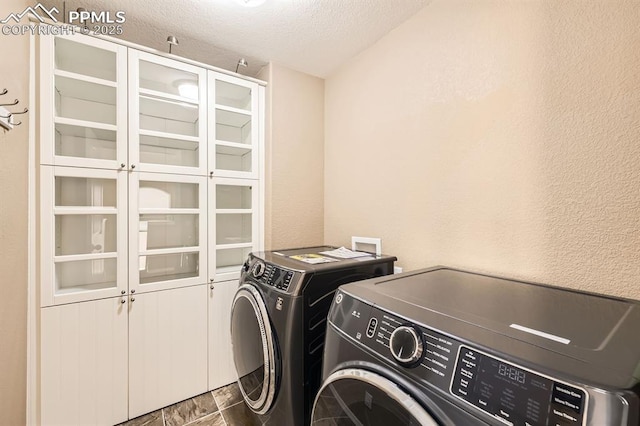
<point x="167" y="347"/>
<point x="84" y="363"/>
<point x="222" y="370"/>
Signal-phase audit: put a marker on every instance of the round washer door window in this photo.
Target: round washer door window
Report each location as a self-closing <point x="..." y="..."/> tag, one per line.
<point x="253" y="349"/>
<point x="359" y="397"/>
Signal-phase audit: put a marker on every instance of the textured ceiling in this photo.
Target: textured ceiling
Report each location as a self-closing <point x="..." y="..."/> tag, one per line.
<point x="312" y="36"/>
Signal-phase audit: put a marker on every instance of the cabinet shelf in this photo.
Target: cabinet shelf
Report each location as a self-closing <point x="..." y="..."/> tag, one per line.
<point x="234" y="211"/>
<point x="232" y="246"/>
<point x="177" y="99"/>
<point x="85" y="211"/>
<point x="81" y="257"/>
<point x="233" y="95"/>
<point x="83" y="128"/>
<point x="150" y="211"/>
<point x="85" y="78"/>
<point x="175" y="250"/>
<point x="84" y="100"/>
<point x="232" y="116"/>
<point x="168" y="109"/>
<point x="83" y="59"/>
<point x="94" y="287"/>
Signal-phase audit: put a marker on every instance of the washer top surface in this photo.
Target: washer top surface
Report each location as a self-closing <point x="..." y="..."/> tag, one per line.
<point x="592" y="328"/>
<point x="302" y="259"/>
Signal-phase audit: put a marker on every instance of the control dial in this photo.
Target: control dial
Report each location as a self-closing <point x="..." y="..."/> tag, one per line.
<point x="258" y="269"/>
<point x="405" y="344"/>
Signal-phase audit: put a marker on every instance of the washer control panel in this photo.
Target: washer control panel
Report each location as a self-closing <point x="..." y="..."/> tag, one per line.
<point x="509" y="393"/>
<point x="268" y="274"/>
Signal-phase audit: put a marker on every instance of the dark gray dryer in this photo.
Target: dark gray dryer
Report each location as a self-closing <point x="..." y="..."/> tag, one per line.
<point x="447" y="347"/>
<point x="278" y="324"/>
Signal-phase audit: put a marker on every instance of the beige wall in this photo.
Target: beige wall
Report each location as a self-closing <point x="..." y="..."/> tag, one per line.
<point x="14" y="76"/>
<point x="295" y="151"/>
<point x="496" y="136"/>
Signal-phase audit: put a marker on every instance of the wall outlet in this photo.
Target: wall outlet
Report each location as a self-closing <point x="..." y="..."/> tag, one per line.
<point x="397" y="269"/>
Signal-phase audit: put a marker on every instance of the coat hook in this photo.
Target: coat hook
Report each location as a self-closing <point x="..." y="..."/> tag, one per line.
<point x="4" y="92"/>
<point x="26" y="110"/>
<point x="14" y="103"/>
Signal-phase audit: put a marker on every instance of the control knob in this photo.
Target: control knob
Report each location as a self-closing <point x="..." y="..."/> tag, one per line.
<point x="405" y="344"/>
<point x="258" y="269"/>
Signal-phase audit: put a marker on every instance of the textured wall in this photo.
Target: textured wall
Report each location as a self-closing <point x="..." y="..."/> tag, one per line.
<point x="14" y="75"/>
<point x="295" y="166"/>
<point x="497" y="136"/>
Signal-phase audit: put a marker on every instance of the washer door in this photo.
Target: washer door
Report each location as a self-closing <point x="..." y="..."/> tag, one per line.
<point x="359" y="397"/>
<point x="253" y="349"/>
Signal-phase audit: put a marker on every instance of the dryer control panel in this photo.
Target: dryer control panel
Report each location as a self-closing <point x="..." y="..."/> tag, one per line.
<point x="510" y="393"/>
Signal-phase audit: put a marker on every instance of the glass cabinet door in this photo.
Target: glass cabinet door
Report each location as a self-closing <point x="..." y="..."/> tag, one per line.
<point x="167" y="130"/>
<point x="84" y="240"/>
<point x="84" y="102"/>
<point x="234" y="228"/>
<point x="167" y="231"/>
<point x="233" y="126"/>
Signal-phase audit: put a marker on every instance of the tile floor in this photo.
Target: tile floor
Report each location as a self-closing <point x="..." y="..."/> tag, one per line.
<point x="221" y="407"/>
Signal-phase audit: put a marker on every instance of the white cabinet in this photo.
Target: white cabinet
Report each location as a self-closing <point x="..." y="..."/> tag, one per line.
<point x="233" y="225"/>
<point x="222" y="370"/>
<point x="234" y="126"/>
<point x="83" y="351"/>
<point x="167" y="231"/>
<point x="83" y="234"/>
<point x="168" y="124"/>
<point x="167" y="347"/>
<point x="83" y="96"/>
<point x="150" y="193"/>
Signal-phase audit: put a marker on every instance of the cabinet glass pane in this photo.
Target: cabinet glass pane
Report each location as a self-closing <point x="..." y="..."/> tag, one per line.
<point x="86" y="60"/>
<point x="168" y="80"/>
<point x="168" y="116"/>
<point x="85" y="192"/>
<point x="85" y="234"/>
<point x="174" y="152"/>
<point x="165" y="267"/>
<point x="85" y="142"/>
<point x="233" y="197"/>
<point x="168" y="231"/>
<point x="233" y="228"/>
<point x="81" y="100"/>
<point x="168" y="195"/>
<point x="233" y="95"/>
<point x="233" y="159"/>
<point x="231" y="258"/>
<point x="85" y="275"/>
<point x="233" y="127"/>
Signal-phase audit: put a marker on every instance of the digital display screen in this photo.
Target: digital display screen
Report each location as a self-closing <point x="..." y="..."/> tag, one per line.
<point x="514" y="395"/>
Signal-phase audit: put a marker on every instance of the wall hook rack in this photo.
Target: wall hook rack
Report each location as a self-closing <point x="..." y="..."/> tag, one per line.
<point x="6" y="116"/>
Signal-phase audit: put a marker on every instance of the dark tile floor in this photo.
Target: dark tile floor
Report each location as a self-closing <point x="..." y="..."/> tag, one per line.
<point x="221" y="407"/>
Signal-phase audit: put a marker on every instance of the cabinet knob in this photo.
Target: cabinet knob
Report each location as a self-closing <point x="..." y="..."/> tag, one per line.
<point x="133" y="291"/>
<point x="123" y="292"/>
<point x="122" y="165"/>
<point x="133" y="166"/>
<point x="211" y="287"/>
<point x="133" y="299"/>
<point x="211" y="174"/>
<point x="123" y="301"/>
